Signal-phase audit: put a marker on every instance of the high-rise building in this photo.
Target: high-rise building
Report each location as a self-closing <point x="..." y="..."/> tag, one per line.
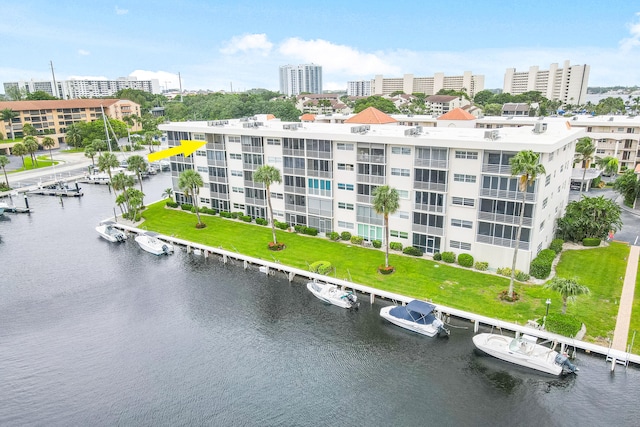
<point x="359" y="88"/>
<point x="296" y="79"/>
<point x="82" y="88"/>
<point x="567" y="84"/>
<point x="468" y="82"/>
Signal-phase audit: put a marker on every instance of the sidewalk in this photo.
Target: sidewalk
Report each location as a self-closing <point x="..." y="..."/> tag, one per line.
<point x="621" y="332"/>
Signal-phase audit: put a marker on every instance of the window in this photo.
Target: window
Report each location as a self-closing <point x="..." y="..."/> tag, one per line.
<point x="471" y="155"/>
<point x="399" y="172"/>
<point x="238" y="206"/>
<point x="345" y="167"/>
<point x="401" y="215"/>
<point x="400" y="234"/>
<point x="462" y="201"/>
<point x="343" y="186"/>
<point x="461" y="223"/>
<point x="236" y="173"/>
<point x="547" y="180"/>
<point x="203" y="169"/>
<point x="403" y="194"/>
<point x="234" y="139"/>
<point x="344" y="146"/>
<point x="542" y="226"/>
<point x="273" y="141"/>
<point x="454" y="244"/>
<point x="347" y="225"/>
<point x="235" y="156"/>
<point x="550" y="156"/>
<point x="405" y="151"/>
<point x="274" y="160"/>
<point x="199" y="137"/>
<point x="201" y="153"/>
<point x="237" y="190"/>
<point x="347" y="206"/>
<point x="464" y="178"/>
<point x="544" y="202"/>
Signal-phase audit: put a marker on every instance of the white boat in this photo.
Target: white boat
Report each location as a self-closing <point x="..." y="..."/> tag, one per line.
<point x="417" y="316"/>
<point x="149" y="242"/>
<point x="107" y="231"/>
<point x="333" y="295"/>
<point x="524" y="351"/>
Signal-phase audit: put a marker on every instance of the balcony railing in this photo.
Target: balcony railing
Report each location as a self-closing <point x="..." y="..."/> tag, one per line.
<point x="428" y="208"/>
<point x="429" y="163"/>
<point x="319" y="154"/>
<point x="295" y="208"/>
<point x="214" y="162"/>
<point x="250" y="166"/>
<point x="220" y="196"/>
<point x="293" y="152"/>
<point x="371" y="159"/>
<point x="371" y="179"/>
<point x="425" y="229"/>
<point x="370" y="220"/>
<point x="505" y="219"/>
<point x="497" y="169"/>
<point x="498" y="241"/>
<point x="361" y="198"/>
<point x="252" y="149"/>
<point x="422" y="185"/>
<point x="319" y="174"/>
<point x="220" y="179"/>
<point x="506" y="194"/>
<point x="254" y="201"/>
<point x="295" y="190"/>
<point x="294" y="171"/>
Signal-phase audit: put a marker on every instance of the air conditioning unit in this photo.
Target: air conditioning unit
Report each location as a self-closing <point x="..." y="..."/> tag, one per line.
<point x="491" y="134"/>
<point x="539" y="127"/>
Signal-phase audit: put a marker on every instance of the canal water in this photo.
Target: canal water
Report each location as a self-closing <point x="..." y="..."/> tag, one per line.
<point x="101" y="334"/>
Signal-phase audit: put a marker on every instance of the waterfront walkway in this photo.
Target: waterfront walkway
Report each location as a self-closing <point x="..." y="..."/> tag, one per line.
<point x="621" y="332"/>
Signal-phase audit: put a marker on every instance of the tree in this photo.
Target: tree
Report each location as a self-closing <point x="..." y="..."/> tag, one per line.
<point x="7" y="116"/>
<point x="120" y="182"/>
<point x="73" y="136"/>
<point x="268" y="175"/>
<point x="378" y="102"/>
<point x="138" y="165"/>
<point x="40" y="95"/>
<point x="585" y="151"/>
<point x="492" y="109"/>
<point x="20" y="150"/>
<point x="4" y="161"/>
<point x="99" y="145"/>
<point x="49" y="143"/>
<point x="167" y="193"/>
<point x="90" y="152"/>
<point x="29" y="130"/>
<point x="525" y="165"/>
<point x="15" y="93"/>
<point x="589" y="217"/>
<point x="386" y="201"/>
<point x="31" y="144"/>
<point x="628" y="186"/>
<point x="190" y="182"/>
<point x="107" y="161"/>
<point x="568" y="289"/>
<point x="609" y="165"/>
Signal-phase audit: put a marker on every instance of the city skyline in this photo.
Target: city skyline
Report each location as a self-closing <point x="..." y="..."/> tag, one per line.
<point x="239" y="45"/>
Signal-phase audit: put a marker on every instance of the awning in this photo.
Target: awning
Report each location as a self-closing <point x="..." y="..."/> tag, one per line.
<point x="421" y="307"/>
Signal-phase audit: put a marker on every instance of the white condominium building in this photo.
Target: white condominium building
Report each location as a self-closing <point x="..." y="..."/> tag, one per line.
<point x="296" y="79"/>
<point x="455" y="185"/>
<point x="359" y="88"/>
<point x="567" y="84"/>
<point x="80" y="88"/>
<point x="409" y="84"/>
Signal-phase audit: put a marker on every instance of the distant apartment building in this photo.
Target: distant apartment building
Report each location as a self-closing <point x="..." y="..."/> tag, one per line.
<point x="53" y="117"/>
<point x="455" y="184"/>
<point x="469" y="82"/>
<point x="79" y="88"/>
<point x="359" y="88"/>
<point x="438" y="105"/>
<point x="297" y="79"/>
<point x="567" y="84"/>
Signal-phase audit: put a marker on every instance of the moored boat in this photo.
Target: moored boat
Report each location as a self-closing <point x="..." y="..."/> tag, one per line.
<point x="107" y="231"/>
<point x="416" y="316"/>
<point x="524" y="351"/>
<point x="333" y="295"/>
<point x="149" y="242"/>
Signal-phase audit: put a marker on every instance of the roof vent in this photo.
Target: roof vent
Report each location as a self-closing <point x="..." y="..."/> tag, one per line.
<point x="610" y="119"/>
<point x="360" y="129"/>
<point x="539" y="128"/>
<point x="491" y="134"/>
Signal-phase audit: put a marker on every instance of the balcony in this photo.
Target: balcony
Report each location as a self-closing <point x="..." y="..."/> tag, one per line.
<point x="295" y="208"/>
<point x="220" y="196"/>
<point x="422" y="185"/>
<point x="295" y="190"/>
<point x="371" y="179"/>
<point x="254" y="201"/>
<point x="497" y="169"/>
<point x="366" y="158"/>
<point x="320" y="174"/>
<point x="214" y="162"/>
<point x="498" y="241"/>
<point x="294" y="152"/>
<point x="294" y="171"/>
<point x="504" y="219"/>
<point x="319" y="154"/>
<point x="428" y="208"/>
<point x="506" y="194"/>
<point x="250" y="166"/>
<point x="370" y="220"/>
<point x="219" y="179"/>
<point x="425" y="229"/>
<point x="252" y="149"/>
<point x="433" y="164"/>
<point x="361" y="198"/>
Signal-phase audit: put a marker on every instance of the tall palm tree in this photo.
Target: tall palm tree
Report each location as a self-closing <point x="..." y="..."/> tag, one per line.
<point x="609" y="165"/>
<point x="90" y="152"/>
<point x="120" y="182"/>
<point x="7" y="116"/>
<point x="20" y="150"/>
<point x="4" y="161"/>
<point x="107" y="161"/>
<point x="31" y="144"/>
<point x="585" y="151"/>
<point x="49" y="143"/>
<point x="386" y="201"/>
<point x="525" y="166"/>
<point x="73" y="136"/>
<point x="268" y="175"/>
<point x="167" y="193"/>
<point x="138" y="165"/>
<point x="568" y="289"/>
<point x="190" y="182"/>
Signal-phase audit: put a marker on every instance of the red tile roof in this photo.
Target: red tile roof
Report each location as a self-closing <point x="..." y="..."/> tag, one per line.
<point x="308" y="117"/>
<point x="457" y="114"/>
<point x="371" y="116"/>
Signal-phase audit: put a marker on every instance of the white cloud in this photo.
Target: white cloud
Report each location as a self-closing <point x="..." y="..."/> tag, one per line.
<point x="629" y="43"/>
<point x="121" y="11"/>
<point x="83" y="52"/>
<point x="166" y="79"/>
<point x="247" y="42"/>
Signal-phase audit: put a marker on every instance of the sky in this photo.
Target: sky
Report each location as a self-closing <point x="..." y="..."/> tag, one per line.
<point x="239" y="45"/>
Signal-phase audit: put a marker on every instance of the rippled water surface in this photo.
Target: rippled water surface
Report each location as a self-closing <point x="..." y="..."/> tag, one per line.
<point x="93" y="333"/>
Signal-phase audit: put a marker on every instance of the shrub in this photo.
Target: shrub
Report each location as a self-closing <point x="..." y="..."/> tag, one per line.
<point x="376" y="244"/>
<point x="281" y="225"/>
<point x="481" y="265"/>
<point x="261" y="221"/>
<point x="310" y="231"/>
<point x="540" y="267"/>
<point x="276" y="246"/>
<point x="298" y="228"/>
<point x="224" y="214"/>
<point x="356" y="240"/>
<point x="437" y="256"/>
<point x="504" y="296"/>
<point x="334" y="235"/>
<point x="556" y="245"/>
<point x="186" y="207"/>
<point x="521" y="276"/>
<point x="171" y="204"/>
<point x="245" y="218"/>
<point x="449" y="257"/>
<point x="194" y="209"/>
<point x="465" y="260"/>
<point x="591" y="241"/>
<point x="386" y="270"/>
<point x="235" y="215"/>
<point x="345" y="235"/>
<point x="547" y="254"/>
<point x="412" y="250"/>
<point x="321" y="267"/>
<point x="562" y="324"/>
<point x="396" y="246"/>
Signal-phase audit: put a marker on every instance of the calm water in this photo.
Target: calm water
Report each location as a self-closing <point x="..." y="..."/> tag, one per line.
<point x="93" y="333"/>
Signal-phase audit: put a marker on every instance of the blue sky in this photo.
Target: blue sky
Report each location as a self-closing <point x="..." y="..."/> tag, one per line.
<point x="222" y="44"/>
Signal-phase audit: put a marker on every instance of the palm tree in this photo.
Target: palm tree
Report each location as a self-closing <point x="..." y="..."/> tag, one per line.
<point x="609" y="165"/>
<point x="167" y="193"/>
<point x="99" y="145"/>
<point x="569" y="289"/>
<point x="31" y="144"/>
<point x="90" y="152"/>
<point x="106" y="161"/>
<point x="4" y="161"/>
<point x="73" y="136"/>
<point x="20" y="150"/>
<point x="190" y="182"/>
<point x="268" y="175"/>
<point x="7" y="116"/>
<point x="120" y="182"/>
<point x="49" y="143"/>
<point x="584" y="154"/>
<point x="386" y="201"/>
<point x="525" y="166"/>
<point x="138" y="165"/>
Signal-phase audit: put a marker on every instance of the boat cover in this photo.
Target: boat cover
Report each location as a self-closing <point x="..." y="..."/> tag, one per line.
<point x="416" y="311"/>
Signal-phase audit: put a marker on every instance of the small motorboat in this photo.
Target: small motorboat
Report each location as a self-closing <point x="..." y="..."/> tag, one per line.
<point x="417" y="316"/>
<point x="107" y="231"/>
<point x="150" y="242"/>
<point x="333" y="295"/>
<point x="524" y="351"/>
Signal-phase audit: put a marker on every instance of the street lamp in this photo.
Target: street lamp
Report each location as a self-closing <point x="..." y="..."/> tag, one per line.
<point x="548" y="303"/>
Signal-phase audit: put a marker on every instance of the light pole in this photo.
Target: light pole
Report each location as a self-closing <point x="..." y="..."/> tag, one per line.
<point x="544" y="321"/>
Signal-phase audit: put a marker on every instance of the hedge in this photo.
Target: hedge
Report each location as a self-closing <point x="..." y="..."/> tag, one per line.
<point x="481" y="265"/>
<point x="245" y="218"/>
<point x="396" y="246"/>
<point x="261" y="221"/>
<point x="334" y="235"/>
<point x="171" y="204"/>
<point x="411" y="250"/>
<point x="310" y="231"/>
<point x="556" y="245"/>
<point x="356" y="240"/>
<point x="376" y="244"/>
<point x="540" y="267"/>
<point x="465" y="260"/>
<point x="321" y="267"/>
<point x="591" y="241"/>
<point x="520" y="276"/>
<point x="448" y="257"/>
<point x="437" y="256"/>
<point x="562" y="324"/>
<point x="281" y="225"/>
<point x="186" y="207"/>
<point x="345" y="235"/>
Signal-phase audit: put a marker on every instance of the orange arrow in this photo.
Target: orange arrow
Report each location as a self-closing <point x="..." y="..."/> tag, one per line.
<point x="186" y="148"/>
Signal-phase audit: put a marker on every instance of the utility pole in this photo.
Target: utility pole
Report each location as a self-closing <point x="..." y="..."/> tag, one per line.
<point x="180" y="81"/>
<point x="55" y="85"/>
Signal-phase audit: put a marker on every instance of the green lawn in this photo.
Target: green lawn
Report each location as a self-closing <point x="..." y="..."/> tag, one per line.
<point x="43" y="162"/>
<point x="635" y="316"/>
<point x="421" y="278"/>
